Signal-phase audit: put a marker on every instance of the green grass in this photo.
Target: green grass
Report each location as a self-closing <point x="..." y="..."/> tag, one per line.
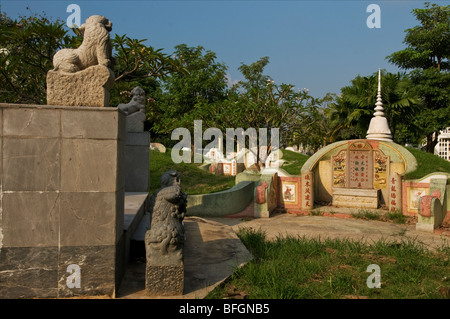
<point x="292" y="268"/>
<point x="193" y="179"/>
<point x="367" y="214"/>
<point x="197" y="181"/>
<point x="396" y="216"/>
<point x="426" y="164"/>
<point x="294" y="162"/>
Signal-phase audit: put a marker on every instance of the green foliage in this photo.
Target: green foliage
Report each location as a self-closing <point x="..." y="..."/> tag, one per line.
<point x="355" y="107"/>
<point x="28" y="45"/>
<point x="396" y="216"/>
<point x="427" y="54"/>
<point x="260" y="103"/>
<point x="366" y="214"/>
<point x="137" y="64"/>
<point x="432" y="86"/>
<point x="191" y="95"/>
<point x="428" y="44"/>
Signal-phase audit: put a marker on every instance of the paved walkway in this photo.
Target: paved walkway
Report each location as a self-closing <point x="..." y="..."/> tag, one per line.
<point x="213" y="250"/>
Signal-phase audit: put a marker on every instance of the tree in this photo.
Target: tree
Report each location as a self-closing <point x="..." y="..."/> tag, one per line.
<point x="192" y="95"/>
<point x="318" y="128"/>
<point x="257" y="102"/>
<point x="137" y="64"/>
<point x="28" y="45"/>
<point x="354" y="108"/>
<point x="427" y="55"/>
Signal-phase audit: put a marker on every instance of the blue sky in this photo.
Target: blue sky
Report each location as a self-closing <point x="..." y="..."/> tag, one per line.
<point x="319" y="45"/>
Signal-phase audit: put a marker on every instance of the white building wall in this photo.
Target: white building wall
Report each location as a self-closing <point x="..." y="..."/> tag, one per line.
<point x="442" y="148"/>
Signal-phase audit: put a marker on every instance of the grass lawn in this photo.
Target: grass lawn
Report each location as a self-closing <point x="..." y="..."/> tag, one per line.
<point x="294" y="162"/>
<point x="193" y="179"/>
<point x="197" y="181"/>
<point x="292" y="268"/>
<point x="427" y="163"/>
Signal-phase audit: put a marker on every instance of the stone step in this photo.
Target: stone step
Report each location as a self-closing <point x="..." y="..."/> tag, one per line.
<point x="356" y="198"/>
<point x="356" y="192"/>
<point x="134" y="212"/>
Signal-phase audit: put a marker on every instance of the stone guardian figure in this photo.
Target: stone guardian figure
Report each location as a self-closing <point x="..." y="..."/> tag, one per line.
<point x="135" y="110"/>
<point x="164" y="242"/>
<point x="84" y="76"/>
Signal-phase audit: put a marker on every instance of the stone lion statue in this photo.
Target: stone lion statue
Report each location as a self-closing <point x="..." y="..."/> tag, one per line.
<point x="95" y="49"/>
<point x="168" y="208"/>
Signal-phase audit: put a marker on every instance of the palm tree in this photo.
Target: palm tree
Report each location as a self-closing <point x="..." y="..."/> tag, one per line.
<point x="354" y="108"/>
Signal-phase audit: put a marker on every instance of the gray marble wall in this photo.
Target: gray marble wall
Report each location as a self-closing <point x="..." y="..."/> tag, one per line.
<point x="61" y="200"/>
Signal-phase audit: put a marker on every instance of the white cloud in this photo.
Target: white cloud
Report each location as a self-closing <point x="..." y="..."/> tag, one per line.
<point x="230" y="81"/>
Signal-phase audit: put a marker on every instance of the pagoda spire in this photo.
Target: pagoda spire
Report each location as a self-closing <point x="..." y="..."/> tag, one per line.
<point x="379" y="128"/>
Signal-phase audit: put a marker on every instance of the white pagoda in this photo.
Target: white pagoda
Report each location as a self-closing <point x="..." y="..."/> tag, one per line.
<point x="379" y="128"/>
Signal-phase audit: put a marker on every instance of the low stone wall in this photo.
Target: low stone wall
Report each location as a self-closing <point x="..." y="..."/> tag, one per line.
<point x="220" y="204"/>
<point x="413" y="189"/>
<point x="137" y="164"/>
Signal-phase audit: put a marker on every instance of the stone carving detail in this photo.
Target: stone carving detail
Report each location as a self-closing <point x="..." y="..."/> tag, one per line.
<point x="381" y="174"/>
<point x="137" y="103"/>
<point x="360" y="165"/>
<point x="164" y="242"/>
<point x="95" y="49"/>
<point x="339" y="169"/>
<point x="168" y="207"/>
<point x="83" y="76"/>
<point x="135" y="110"/>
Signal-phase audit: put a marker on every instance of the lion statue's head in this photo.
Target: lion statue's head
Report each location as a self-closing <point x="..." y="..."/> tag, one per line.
<point x="97" y="19"/>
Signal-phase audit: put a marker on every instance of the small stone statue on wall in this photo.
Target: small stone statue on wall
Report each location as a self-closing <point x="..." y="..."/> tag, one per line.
<point x="137" y="102"/>
<point x="135" y="110"/>
<point x="164" y="242"/>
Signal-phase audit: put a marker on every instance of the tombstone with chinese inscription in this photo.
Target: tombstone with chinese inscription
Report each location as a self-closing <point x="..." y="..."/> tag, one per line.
<point x="358" y="182"/>
<point x="357" y="173"/>
<point x="364" y="173"/>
